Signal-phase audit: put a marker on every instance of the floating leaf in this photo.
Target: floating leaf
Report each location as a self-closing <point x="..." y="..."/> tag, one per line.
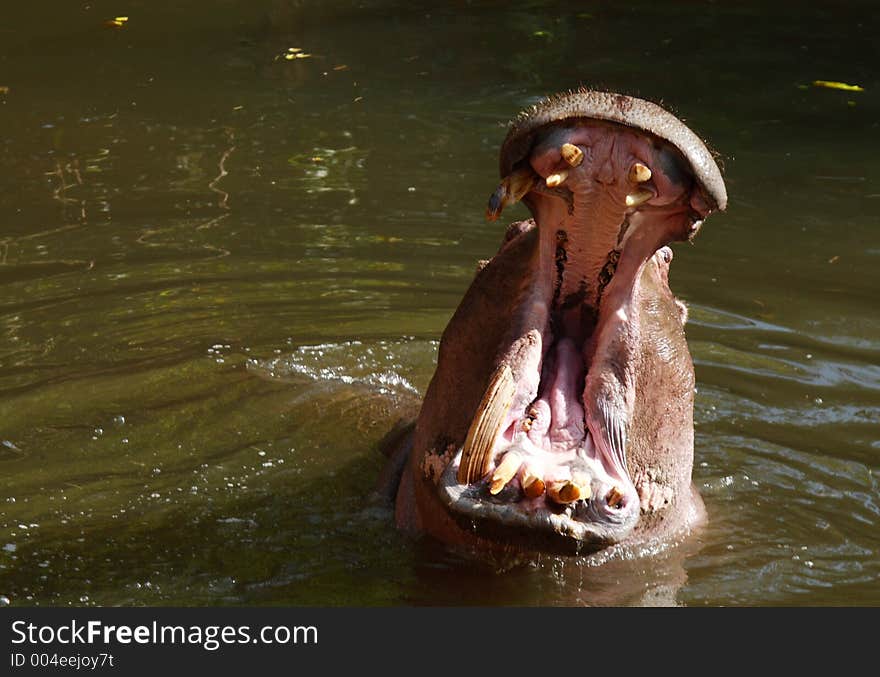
<point x="830" y="84"/>
<point x="4" y="90"/>
<point x="541" y="34"/>
<point x="116" y="22"/>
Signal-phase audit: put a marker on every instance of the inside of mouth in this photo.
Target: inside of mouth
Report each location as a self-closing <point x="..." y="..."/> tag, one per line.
<point x="558" y="456"/>
<point x="546" y="469"/>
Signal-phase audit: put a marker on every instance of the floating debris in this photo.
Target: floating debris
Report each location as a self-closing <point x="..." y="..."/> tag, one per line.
<point x="294" y="53"/>
<point x="830" y="84"/>
<point x="116" y="22"/>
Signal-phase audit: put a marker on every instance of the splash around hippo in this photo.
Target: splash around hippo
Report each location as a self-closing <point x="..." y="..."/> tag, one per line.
<point x="560" y="415"/>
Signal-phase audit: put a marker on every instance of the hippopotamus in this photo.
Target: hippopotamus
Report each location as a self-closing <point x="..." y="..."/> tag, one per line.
<point x="560" y="414"/>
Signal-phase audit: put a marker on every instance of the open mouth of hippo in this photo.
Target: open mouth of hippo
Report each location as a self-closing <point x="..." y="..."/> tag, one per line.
<point x="610" y="181"/>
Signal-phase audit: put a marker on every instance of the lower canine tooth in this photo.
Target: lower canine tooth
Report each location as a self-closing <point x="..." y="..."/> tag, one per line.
<point x="486" y="426"/>
<point x="638" y="198"/>
<point x="511" y="190"/>
<point x="505" y="472"/>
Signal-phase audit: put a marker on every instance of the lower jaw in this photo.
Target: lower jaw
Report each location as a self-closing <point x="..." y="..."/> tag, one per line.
<point x="588" y="523"/>
<point x="538" y="525"/>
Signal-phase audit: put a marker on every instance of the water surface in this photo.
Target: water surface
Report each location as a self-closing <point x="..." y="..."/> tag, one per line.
<point x="224" y="272"/>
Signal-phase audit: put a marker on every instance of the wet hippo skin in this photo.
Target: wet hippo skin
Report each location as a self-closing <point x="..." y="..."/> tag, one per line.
<point x="560" y="415"/>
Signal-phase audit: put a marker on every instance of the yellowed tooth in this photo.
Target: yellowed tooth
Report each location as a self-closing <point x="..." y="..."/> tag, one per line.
<point x="563" y="492"/>
<point x="639" y="197"/>
<point x="505" y="471"/>
<point x="582" y="482"/>
<point x="486" y="426"/>
<point x="511" y="190"/>
<point x="573" y="155"/>
<point x="533" y="486"/>
<point x="639" y="173"/>
<point x="556" y="179"/>
<point x="613" y="497"/>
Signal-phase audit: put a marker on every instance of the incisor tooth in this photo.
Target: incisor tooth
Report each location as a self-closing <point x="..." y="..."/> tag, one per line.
<point x="556" y="179"/>
<point x="511" y="190"/>
<point x="564" y="492"/>
<point x="613" y="497"/>
<point x="487" y="424"/>
<point x="582" y="482"/>
<point x="639" y="173"/>
<point x="572" y="154"/>
<point x="639" y="197"/>
<point x="533" y="486"/>
<point x="505" y="471"/>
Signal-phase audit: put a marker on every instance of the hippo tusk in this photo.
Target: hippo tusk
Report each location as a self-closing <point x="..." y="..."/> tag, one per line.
<point x="573" y="155"/>
<point x="556" y="179"/>
<point x="638" y="173"/>
<point x="511" y="190"/>
<point x="505" y="472"/>
<point x="638" y="198"/>
<point x="487" y="424"/>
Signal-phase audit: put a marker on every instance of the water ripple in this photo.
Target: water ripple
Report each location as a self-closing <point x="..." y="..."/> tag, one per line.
<point x="381" y="365"/>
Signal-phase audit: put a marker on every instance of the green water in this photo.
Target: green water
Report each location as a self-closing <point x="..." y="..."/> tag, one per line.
<point x="223" y="274"/>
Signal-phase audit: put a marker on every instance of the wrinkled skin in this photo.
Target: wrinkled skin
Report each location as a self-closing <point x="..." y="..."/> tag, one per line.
<point x="560" y="415"/>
